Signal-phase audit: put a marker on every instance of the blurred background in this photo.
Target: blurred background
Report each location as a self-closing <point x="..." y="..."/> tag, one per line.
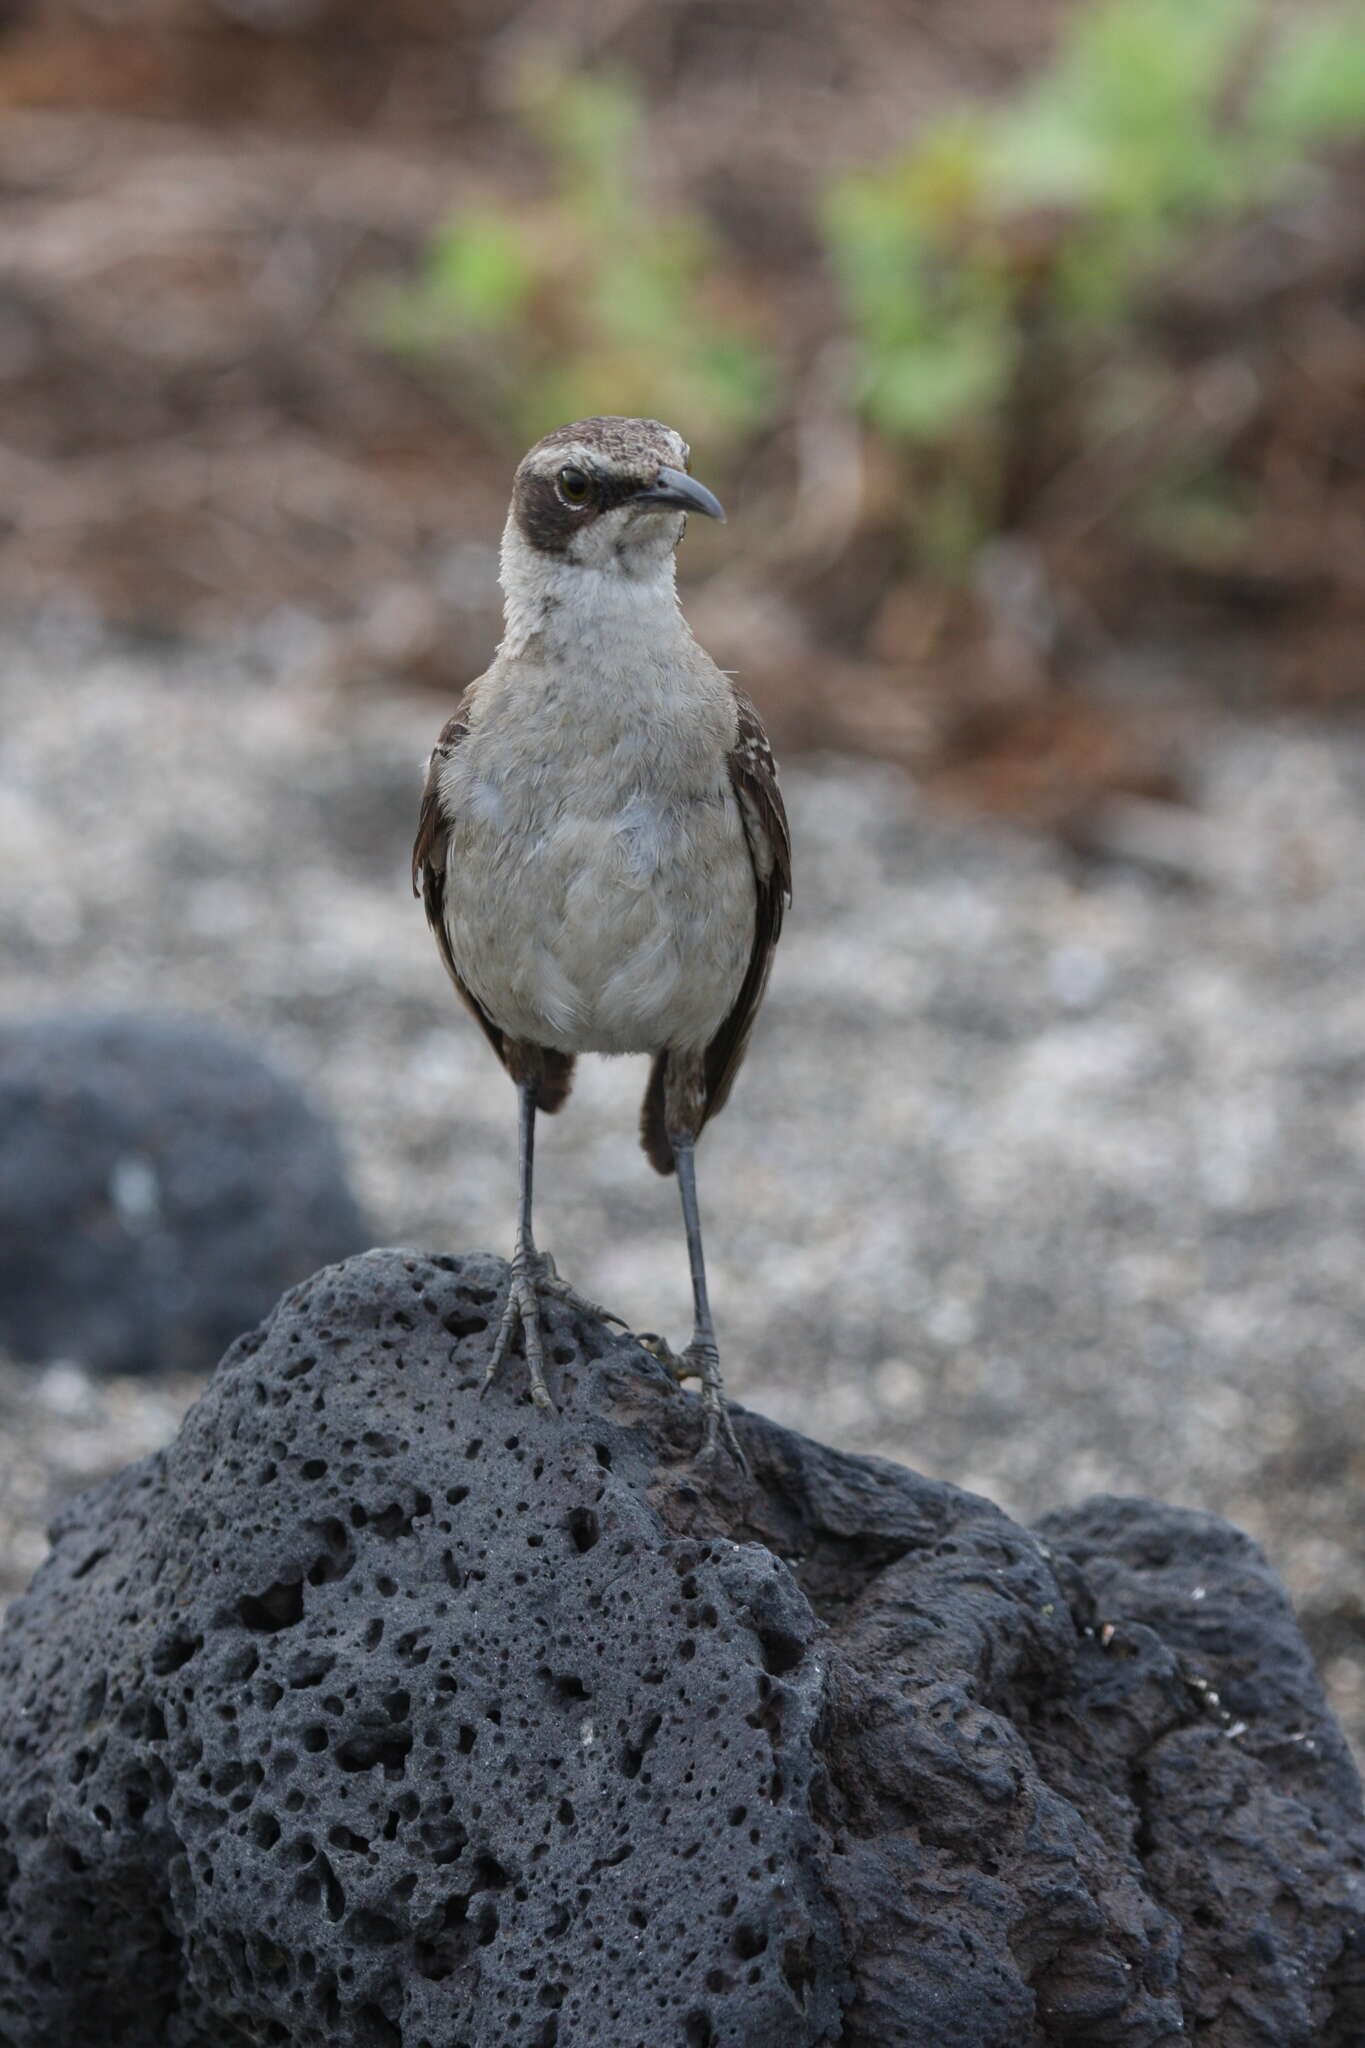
<point x="1026" y="346"/>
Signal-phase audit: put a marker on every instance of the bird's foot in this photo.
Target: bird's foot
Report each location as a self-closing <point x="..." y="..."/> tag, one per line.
<point x="532" y="1279"/>
<point x="701" y="1361"/>
<point x="521" y="1311"/>
<point x="549" y="1282"/>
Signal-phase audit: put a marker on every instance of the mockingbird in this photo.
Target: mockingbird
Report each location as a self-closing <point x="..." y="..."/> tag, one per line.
<point x="602" y="848"/>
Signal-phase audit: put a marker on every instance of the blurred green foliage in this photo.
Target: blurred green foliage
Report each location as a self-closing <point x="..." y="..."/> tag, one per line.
<point x="988" y="268"/>
<point x="990" y="275"/>
<point x="598" y="299"/>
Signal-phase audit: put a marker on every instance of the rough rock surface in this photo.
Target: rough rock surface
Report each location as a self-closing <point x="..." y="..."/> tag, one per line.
<point x="1081" y="1111"/>
<point x="159" y="1186"/>
<point x="373" y="1713"/>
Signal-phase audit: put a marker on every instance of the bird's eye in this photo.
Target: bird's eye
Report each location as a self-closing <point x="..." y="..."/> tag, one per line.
<point x="574" y="486"/>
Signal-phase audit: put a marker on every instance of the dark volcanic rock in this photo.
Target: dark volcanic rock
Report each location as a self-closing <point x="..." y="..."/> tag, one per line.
<point x="372" y="1713"/>
<point x="159" y="1186"/>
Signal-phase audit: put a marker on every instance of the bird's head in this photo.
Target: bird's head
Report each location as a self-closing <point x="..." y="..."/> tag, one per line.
<point x="607" y="494"/>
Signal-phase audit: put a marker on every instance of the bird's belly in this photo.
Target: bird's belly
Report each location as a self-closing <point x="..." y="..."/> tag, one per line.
<point x="619" y="933"/>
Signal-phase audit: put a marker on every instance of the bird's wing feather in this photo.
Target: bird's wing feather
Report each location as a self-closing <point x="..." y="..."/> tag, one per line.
<point x="430" y="853"/>
<point x="753" y="777"/>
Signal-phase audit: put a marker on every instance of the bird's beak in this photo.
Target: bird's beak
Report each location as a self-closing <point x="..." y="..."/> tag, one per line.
<point x="674" y="487"/>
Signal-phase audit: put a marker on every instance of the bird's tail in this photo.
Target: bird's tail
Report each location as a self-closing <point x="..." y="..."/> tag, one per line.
<point x="653" y="1132"/>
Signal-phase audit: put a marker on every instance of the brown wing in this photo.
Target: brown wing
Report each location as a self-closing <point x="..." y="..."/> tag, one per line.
<point x="753" y="776"/>
<point x="429" y="855"/>
<point x="430" y="866"/>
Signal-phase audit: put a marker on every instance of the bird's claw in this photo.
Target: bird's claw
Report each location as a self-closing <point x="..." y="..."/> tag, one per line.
<point x="660" y="1348"/>
<point x="521" y="1311"/>
<point x="701" y="1361"/>
<point x="549" y="1282"/>
<point x="532" y="1277"/>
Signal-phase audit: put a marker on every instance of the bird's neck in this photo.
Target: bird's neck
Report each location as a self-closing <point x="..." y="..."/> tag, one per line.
<point x="610" y="613"/>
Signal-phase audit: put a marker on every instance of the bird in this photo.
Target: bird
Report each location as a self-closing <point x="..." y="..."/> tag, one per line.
<point x="602" y="848"/>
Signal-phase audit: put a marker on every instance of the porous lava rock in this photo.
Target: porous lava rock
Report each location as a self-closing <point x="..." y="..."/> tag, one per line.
<point x="373" y="1712"/>
<point x="159" y="1187"/>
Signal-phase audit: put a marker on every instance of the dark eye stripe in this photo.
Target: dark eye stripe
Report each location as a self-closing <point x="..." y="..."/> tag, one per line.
<point x="545" y="517"/>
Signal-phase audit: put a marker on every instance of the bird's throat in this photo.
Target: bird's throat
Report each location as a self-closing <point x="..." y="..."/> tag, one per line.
<point x="616" y="610"/>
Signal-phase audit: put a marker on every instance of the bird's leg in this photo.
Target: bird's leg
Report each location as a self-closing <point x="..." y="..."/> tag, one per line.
<point x="533" y="1273"/>
<point x="701" y="1356"/>
<point x="522" y="1309"/>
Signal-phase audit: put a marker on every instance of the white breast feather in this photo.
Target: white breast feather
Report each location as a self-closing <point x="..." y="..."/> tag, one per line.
<point x="600" y="893"/>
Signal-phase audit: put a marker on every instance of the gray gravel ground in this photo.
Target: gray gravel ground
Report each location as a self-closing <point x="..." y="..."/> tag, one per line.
<point x="1044" y="1177"/>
